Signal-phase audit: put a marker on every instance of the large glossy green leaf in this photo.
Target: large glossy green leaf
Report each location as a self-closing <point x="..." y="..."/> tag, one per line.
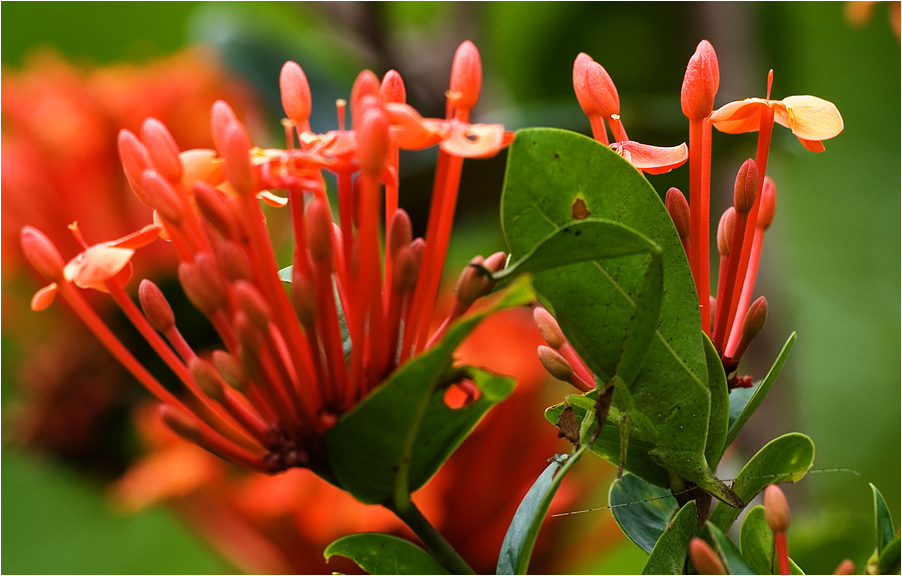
<point x="719" y="418"/>
<point x="669" y="554"/>
<point x="516" y="549"/>
<point x="760" y="391"/>
<point x="890" y="559"/>
<point x="384" y="554"/>
<point x="555" y="178"/>
<point x="396" y="439"/>
<point x="784" y="459"/>
<point x="756" y="541"/>
<point x="642" y="510"/>
<point x="884" y="520"/>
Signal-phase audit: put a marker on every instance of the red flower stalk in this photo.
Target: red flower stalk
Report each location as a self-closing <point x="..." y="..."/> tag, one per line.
<point x="283" y="378"/>
<point x="700" y="85"/>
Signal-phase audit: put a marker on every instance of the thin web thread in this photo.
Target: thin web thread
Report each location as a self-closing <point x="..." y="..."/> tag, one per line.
<point x="814" y="471"/>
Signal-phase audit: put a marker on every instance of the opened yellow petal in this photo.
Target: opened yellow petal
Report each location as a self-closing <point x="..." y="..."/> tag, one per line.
<point x="810" y="117"/>
<point x="739" y="117"/>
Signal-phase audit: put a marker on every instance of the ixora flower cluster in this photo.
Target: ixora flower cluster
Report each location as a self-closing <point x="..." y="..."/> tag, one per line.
<point x="731" y="320"/>
<point x="292" y="361"/>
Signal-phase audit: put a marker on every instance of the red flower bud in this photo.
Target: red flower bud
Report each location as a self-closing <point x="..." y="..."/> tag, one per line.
<point x="319" y="230"/>
<point x="206" y="377"/>
<point x="366" y="84"/>
<point x="400" y="232"/>
<point x="776" y="509"/>
<point x="555" y="364"/>
<point x="296" y="99"/>
<point x="407" y="268"/>
<point x="253" y="304"/>
<point x="163" y="150"/>
<point x="700" y="82"/>
<point x="135" y="160"/>
<point x="372" y="140"/>
<point x="392" y="88"/>
<point x="179" y="422"/>
<point x="156" y="307"/>
<point x="230" y="370"/>
<point x="548" y="328"/>
<point x="725" y="231"/>
<point x="746" y="187"/>
<point x="466" y="77"/>
<point x="222" y="118"/>
<point x="768" y="203"/>
<point x="233" y="262"/>
<point x="162" y="196"/>
<point x="595" y="91"/>
<point x="754" y="319"/>
<point x="42" y="254"/>
<point x="203" y="283"/>
<point x="303" y="296"/>
<point x="212" y="205"/>
<point x="678" y="208"/>
<point x="237" y="160"/>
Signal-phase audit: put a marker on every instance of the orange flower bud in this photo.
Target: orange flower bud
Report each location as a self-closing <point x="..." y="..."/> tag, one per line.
<point x="595" y="91"/>
<point x="400" y="232"/>
<point x="372" y="140"/>
<point x="319" y="230"/>
<point x="296" y="98"/>
<point x="466" y="77"/>
<point x="700" y="82"/>
<point x="845" y="567"/>
<point x="253" y="304"/>
<point x="203" y="283"/>
<point x="237" y="160"/>
<point x="754" y="319"/>
<point x="392" y="88"/>
<point x="162" y="196"/>
<point x="776" y="509"/>
<point x="746" y="187"/>
<point x="704" y="558"/>
<point x="366" y="84"/>
<point x="135" y="160"/>
<point x="725" y="231"/>
<point x="41" y="253"/>
<point x="222" y="118"/>
<point x="156" y="307"/>
<point x="407" y="268"/>
<point x="212" y="205"/>
<point x="678" y="208"/>
<point x="163" y="150"/>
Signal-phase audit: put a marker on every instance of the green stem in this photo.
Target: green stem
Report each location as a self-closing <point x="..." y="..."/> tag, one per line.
<point x="431" y="538"/>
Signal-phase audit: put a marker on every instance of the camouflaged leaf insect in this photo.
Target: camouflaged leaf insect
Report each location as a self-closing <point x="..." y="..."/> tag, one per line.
<point x="637" y="330"/>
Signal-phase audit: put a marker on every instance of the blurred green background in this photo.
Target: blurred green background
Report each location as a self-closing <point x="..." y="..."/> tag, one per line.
<point x="831" y="264"/>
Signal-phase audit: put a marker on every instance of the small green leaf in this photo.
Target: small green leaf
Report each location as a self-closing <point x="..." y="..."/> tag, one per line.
<point x="516" y="549"/>
<point x="739" y="399"/>
<point x="784" y="459"/>
<point x="718" y="419"/>
<point x="400" y="434"/>
<point x="669" y="554"/>
<point x="642" y="510"/>
<point x="761" y="391"/>
<point x="756" y="541"/>
<point x="889" y="561"/>
<point x="725" y="548"/>
<point x="384" y="554"/>
<point x="885" y="529"/>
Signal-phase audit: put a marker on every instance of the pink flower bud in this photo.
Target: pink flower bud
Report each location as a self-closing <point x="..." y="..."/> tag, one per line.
<point x="776" y="509"/>
<point x="678" y="208"/>
<point x="296" y="99"/>
<point x="700" y="82"/>
<point x="222" y="118"/>
<point x="206" y="377"/>
<point x="156" y="307"/>
<point x="746" y="187"/>
<point x="135" y="160"/>
<point x="392" y="88"/>
<point x="725" y="231"/>
<point x="768" y="204"/>
<point x="372" y="141"/>
<point x="548" y="328"/>
<point x="253" y="304"/>
<point x="164" y="152"/>
<point x="230" y="370"/>
<point x="466" y="76"/>
<point x="704" y="558"/>
<point x="555" y="364"/>
<point x="319" y="230"/>
<point x="595" y="91"/>
<point x="42" y="254"/>
<point x="846" y="567"/>
<point x="162" y="196"/>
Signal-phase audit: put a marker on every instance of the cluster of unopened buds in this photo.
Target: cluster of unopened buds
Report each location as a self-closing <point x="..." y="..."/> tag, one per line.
<point x="731" y="320"/>
<point x="292" y="361"/>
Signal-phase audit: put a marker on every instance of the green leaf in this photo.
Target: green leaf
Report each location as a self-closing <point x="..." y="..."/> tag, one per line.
<point x="725" y="548"/>
<point x="885" y="529"/>
<point x="669" y="554"/>
<point x="551" y="173"/>
<point x="400" y="434"/>
<point x="718" y="419"/>
<point x="516" y="549"/>
<point x="384" y="554"/>
<point x="889" y="561"/>
<point x="756" y="541"/>
<point x="642" y="510"/>
<point x="761" y="391"/>
<point x="784" y="459"/>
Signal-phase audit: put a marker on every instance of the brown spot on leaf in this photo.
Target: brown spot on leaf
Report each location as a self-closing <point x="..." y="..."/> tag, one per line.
<point x="579" y="210"/>
<point x="568" y="427"/>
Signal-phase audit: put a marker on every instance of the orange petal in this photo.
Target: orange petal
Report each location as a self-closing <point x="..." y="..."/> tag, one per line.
<point x="138" y="239"/>
<point x="652" y="159"/>
<point x="739" y="117"/>
<point x="99" y="263"/>
<point x="272" y="199"/>
<point x="201" y="164"/>
<point x="43" y="298"/>
<point x="810" y="117"/>
<point x="476" y="140"/>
